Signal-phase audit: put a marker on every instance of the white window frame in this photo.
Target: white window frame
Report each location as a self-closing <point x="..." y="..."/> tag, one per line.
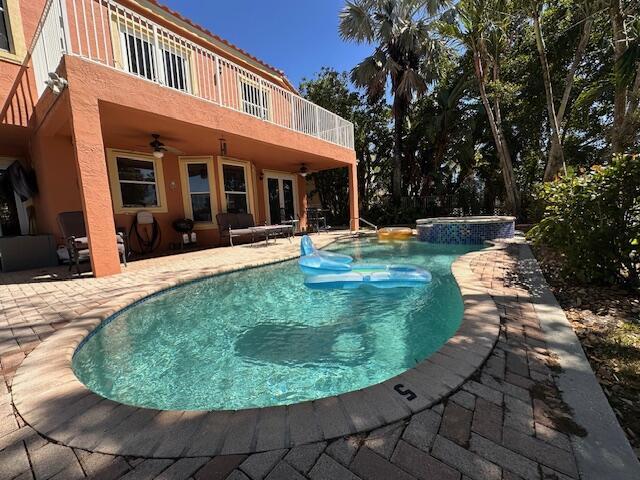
<point x="186" y="66"/>
<point x="267" y="174"/>
<point x="158" y="47"/>
<point x="264" y="95"/>
<point x="187" y="193"/>
<point x="115" y="182"/>
<point x="144" y="36"/>
<point x="248" y="181"/>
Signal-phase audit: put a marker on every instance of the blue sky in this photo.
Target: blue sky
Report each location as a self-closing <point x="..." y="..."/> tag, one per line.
<point x="298" y="37"/>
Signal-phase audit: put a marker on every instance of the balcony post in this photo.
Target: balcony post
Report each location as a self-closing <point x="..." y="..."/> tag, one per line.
<point x="353" y="197"/>
<point x="217" y="76"/>
<point x="159" y="60"/>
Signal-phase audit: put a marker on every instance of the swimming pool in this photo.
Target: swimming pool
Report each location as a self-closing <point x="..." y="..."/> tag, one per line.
<point x="259" y="337"/>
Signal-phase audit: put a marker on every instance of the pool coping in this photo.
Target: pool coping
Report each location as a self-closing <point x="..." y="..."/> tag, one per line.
<point x="49" y="397"/>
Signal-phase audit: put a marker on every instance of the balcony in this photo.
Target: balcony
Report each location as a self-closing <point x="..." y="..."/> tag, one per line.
<point x="109" y="33"/>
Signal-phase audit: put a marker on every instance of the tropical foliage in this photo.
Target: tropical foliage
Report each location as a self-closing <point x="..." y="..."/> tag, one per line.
<point x="593" y="221"/>
<point x="470" y="104"/>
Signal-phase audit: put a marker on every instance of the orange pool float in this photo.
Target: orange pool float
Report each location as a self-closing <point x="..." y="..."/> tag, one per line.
<point x="395" y="233"/>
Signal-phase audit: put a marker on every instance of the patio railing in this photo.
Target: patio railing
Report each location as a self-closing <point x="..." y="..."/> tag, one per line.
<point x="106" y="32"/>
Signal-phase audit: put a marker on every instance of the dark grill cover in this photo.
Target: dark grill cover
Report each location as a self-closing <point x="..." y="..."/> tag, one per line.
<point x="22" y="181"/>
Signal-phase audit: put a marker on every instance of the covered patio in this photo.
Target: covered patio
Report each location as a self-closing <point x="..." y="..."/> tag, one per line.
<point x="94" y="154"/>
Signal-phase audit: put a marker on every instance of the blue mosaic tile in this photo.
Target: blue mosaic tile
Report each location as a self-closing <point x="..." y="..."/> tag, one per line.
<point x="465" y="233"/>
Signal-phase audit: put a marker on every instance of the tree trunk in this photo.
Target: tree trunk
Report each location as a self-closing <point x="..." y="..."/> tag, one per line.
<point x="513" y="197"/>
<point x="555" y="163"/>
<point x="396" y="177"/>
<point x="631" y="121"/>
<point x="620" y="97"/>
<point x="577" y="59"/>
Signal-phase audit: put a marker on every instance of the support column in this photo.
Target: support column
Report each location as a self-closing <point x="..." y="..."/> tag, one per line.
<point x="353" y="197"/>
<point x="94" y="184"/>
<point x="302" y="195"/>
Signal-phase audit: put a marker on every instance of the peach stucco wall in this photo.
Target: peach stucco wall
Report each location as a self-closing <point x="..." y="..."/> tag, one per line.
<point x="68" y="152"/>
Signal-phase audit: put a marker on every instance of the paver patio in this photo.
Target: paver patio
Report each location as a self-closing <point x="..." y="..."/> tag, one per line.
<point x="507" y="421"/>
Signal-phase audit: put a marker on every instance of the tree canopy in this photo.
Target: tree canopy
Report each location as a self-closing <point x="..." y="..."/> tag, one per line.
<point x="470" y="104"/>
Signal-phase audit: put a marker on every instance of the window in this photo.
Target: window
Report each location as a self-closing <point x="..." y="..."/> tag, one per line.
<point x="136" y="182"/>
<point x="236" y="185"/>
<point x="235" y="189"/>
<point x="169" y="64"/>
<point x="4" y="28"/>
<point x="255" y="99"/>
<point x="138" y="54"/>
<point x="175" y="70"/>
<point x="197" y="187"/>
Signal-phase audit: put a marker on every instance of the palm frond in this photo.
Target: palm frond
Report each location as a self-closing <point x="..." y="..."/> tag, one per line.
<point x="371" y="74"/>
<point x="410" y="82"/>
<point x="355" y="22"/>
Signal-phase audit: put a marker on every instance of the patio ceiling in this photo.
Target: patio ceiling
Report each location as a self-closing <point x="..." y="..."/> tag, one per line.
<point x="128" y="128"/>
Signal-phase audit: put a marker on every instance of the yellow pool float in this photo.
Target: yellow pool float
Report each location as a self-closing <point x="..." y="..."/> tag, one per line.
<point x="395" y="233"/>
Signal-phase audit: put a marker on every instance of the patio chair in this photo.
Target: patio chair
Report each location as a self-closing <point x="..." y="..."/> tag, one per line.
<point x="317" y="219"/>
<point x="236" y="225"/>
<point x="74" y="232"/>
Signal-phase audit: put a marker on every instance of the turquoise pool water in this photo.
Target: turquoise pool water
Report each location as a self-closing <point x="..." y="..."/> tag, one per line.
<point x="259" y="337"/>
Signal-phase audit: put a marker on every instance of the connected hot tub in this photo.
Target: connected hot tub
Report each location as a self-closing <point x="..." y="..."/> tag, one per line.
<point x="465" y="230"/>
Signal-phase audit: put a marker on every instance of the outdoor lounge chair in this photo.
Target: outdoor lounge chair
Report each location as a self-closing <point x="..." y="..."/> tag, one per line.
<point x="74" y="232"/>
<point x="236" y="225"/>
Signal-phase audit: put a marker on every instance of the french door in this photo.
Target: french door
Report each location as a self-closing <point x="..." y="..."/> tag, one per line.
<point x="281" y="196"/>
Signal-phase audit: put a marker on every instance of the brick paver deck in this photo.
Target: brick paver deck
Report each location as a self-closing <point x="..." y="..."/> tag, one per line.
<point x="507" y="421"/>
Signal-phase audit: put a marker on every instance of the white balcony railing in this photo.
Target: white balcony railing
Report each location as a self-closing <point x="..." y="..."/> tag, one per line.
<point x="109" y="33"/>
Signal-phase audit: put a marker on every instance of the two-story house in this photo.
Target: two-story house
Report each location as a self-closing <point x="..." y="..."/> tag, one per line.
<point x="84" y="86"/>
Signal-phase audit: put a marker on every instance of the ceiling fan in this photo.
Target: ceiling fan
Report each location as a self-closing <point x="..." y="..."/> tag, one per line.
<point x="159" y="148"/>
<point x="304" y="170"/>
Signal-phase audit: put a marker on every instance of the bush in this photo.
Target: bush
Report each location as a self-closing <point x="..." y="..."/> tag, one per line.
<point x="593" y="221"/>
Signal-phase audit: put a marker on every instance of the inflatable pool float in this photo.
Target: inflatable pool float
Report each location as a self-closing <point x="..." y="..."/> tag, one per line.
<point x="308" y="248"/>
<point x="326" y="270"/>
<point x="379" y="276"/>
<point x="395" y="233"/>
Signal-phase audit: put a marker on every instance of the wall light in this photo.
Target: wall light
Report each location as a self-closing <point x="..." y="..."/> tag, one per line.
<point x="56" y="83"/>
<point x="223" y="147"/>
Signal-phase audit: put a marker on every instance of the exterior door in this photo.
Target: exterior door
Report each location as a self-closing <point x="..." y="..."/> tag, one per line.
<point x="281" y="193"/>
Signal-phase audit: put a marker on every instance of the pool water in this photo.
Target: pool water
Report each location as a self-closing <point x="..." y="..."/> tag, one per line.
<point x="259" y="337"/>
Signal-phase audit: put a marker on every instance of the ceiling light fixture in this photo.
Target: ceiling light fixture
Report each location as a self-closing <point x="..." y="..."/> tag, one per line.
<point x="304" y="171"/>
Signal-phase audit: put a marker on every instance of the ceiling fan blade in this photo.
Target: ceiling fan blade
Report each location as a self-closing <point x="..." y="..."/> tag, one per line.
<point x="177" y="151"/>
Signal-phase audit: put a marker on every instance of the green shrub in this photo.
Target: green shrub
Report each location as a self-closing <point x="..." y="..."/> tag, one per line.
<point x="593" y="221"/>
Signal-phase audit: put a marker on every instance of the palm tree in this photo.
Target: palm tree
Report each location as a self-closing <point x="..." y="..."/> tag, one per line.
<point x="481" y="26"/>
<point x="400" y="30"/>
